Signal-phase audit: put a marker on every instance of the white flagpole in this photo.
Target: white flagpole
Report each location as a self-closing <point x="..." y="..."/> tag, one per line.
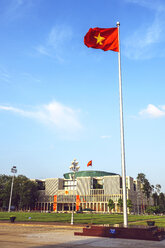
<point x="122" y="141"/>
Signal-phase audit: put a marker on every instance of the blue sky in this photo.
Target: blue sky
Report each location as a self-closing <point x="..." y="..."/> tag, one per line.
<point x="59" y="99"/>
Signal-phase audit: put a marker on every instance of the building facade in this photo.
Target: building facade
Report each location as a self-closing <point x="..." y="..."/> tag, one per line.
<point x="89" y="189"/>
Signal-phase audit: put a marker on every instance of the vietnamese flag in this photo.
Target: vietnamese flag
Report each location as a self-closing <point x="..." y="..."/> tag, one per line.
<point x="89" y="163"/>
<point x="102" y="38"/>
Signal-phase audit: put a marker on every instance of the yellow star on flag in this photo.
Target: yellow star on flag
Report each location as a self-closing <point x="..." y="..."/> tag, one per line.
<point x="99" y="39"/>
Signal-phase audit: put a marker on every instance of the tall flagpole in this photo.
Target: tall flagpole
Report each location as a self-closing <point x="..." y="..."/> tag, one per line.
<point x="122" y="140"/>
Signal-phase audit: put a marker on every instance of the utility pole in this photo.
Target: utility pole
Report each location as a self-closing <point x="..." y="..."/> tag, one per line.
<point x="74" y="167"/>
<point x="13" y="170"/>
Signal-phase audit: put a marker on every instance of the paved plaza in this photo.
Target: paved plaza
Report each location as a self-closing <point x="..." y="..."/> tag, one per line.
<point x="21" y="235"/>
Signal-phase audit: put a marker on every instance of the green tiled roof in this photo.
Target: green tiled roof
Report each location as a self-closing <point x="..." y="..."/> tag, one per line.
<point x="89" y="174"/>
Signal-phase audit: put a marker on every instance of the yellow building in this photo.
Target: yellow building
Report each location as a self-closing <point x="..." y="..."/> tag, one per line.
<point x="89" y="189"/>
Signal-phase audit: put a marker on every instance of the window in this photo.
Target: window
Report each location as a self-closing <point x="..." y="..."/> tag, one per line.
<point x="97" y="183"/>
<point x="121" y="186"/>
<point x="134" y="187"/>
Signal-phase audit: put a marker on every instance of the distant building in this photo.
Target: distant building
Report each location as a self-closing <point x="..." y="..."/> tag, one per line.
<point x="89" y="189"/>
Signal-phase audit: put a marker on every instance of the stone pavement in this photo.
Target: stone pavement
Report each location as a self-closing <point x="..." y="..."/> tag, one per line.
<point x="54" y="236"/>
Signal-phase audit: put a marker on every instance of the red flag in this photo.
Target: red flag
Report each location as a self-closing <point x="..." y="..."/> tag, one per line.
<point x="102" y="38"/>
<point x="89" y="163"/>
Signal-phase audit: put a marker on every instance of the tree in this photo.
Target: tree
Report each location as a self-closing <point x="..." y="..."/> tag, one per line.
<point x="5" y="186"/>
<point x="147" y="187"/>
<point x="129" y="204"/>
<point x="153" y="210"/>
<point x="162" y="202"/>
<point x="25" y="192"/>
<point x="120" y="203"/>
<point x="158" y="188"/>
<point x="141" y="177"/>
<point x="155" y="199"/>
<point x="111" y="204"/>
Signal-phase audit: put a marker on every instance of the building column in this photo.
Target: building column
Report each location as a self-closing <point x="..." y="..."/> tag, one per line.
<point x="104" y="207"/>
<point x="96" y="206"/>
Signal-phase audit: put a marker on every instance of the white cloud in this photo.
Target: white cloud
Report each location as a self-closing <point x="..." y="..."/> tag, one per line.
<point x="150" y="4"/>
<point x="152" y="111"/>
<point x="43" y="50"/>
<point x="56" y="42"/>
<point x="29" y="77"/>
<point x="53" y="114"/>
<point x="58" y="36"/>
<point x="105" y="137"/>
<point x="143" y="42"/>
<point x="4" y="75"/>
<point x="15" y="9"/>
<point x="163" y="107"/>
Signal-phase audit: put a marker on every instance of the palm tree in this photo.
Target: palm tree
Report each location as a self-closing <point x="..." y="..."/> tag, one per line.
<point x="129" y="205"/>
<point x="111" y="204"/>
<point x="120" y="204"/>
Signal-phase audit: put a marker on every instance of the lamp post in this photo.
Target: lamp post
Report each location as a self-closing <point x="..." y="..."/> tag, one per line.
<point x="13" y="170"/>
<point x="74" y="167"/>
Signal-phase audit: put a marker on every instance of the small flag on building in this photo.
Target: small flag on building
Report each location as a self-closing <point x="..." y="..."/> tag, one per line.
<point x="89" y="163"/>
<point x="102" y="38"/>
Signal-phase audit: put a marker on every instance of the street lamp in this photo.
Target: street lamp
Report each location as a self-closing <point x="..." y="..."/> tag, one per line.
<point x="13" y="170"/>
<point x="74" y="167"/>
